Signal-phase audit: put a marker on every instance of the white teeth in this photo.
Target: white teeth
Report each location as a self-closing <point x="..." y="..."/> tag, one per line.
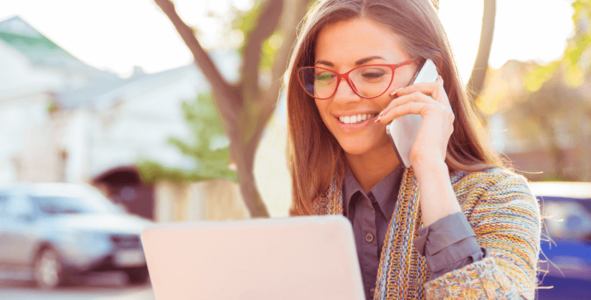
<point x="355" y="118"/>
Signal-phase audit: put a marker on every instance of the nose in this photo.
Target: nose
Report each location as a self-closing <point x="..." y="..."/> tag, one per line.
<point x="345" y="93"/>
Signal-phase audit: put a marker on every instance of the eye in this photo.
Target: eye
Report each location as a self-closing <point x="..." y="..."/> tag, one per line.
<point x="324" y="76"/>
<point x="373" y="74"/>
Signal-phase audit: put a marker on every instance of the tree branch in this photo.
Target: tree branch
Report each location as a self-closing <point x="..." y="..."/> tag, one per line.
<point x="221" y="88"/>
<point x="267" y="22"/>
<point x="293" y="13"/>
<point x="486" y="35"/>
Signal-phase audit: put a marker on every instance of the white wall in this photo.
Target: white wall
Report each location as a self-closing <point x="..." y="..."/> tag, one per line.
<point x="19" y="77"/>
<point x="18" y="118"/>
<point x="141" y="123"/>
<point x="26" y="92"/>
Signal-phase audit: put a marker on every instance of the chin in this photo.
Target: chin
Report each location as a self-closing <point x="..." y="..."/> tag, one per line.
<point x="358" y="146"/>
<point x="365" y="145"/>
<point x="355" y="149"/>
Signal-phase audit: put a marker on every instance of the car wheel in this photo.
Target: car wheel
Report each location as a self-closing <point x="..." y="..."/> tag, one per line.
<point x="47" y="270"/>
<point x="137" y="276"/>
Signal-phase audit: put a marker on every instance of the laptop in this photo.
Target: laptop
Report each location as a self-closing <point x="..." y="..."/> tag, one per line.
<point x="311" y="257"/>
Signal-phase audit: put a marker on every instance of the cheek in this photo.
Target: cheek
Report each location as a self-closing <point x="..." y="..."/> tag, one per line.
<point x="385" y="99"/>
<point x="402" y="77"/>
<point x="322" y="105"/>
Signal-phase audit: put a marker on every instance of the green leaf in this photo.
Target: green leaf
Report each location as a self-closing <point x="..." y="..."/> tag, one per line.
<point x="206" y="147"/>
<point x="576" y="60"/>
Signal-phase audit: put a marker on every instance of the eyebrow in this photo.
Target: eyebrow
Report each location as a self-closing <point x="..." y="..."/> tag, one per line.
<point x="357" y="63"/>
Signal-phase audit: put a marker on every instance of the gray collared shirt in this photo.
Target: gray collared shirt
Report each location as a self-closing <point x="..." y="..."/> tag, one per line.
<point x="447" y="244"/>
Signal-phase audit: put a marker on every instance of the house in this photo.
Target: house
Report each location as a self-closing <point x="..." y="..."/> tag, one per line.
<point x="62" y="120"/>
<point x="32" y="70"/>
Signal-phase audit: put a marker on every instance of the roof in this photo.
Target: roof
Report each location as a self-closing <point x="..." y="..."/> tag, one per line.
<point x="35" y="46"/>
<point x="103" y="93"/>
<point x="560" y="189"/>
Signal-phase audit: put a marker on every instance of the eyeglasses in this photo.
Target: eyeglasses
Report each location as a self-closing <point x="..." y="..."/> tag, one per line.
<point x="368" y="81"/>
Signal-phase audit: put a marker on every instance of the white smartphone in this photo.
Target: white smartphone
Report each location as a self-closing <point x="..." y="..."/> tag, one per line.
<point x="403" y="130"/>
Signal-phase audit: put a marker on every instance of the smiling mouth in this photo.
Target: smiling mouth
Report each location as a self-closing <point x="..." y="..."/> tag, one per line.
<point x="354" y="119"/>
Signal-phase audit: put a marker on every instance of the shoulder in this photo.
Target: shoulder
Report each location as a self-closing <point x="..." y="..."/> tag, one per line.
<point x="494" y="186"/>
<point x="487" y="179"/>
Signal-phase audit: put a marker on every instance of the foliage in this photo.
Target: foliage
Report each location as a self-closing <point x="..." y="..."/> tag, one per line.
<point x="577" y="56"/>
<point x="546" y="107"/>
<point x="263" y="34"/>
<point x="247" y="21"/>
<point x="552" y="120"/>
<point x="208" y="148"/>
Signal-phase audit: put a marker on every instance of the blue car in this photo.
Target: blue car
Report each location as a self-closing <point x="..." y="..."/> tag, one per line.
<point x="566" y="239"/>
<point x="56" y="231"/>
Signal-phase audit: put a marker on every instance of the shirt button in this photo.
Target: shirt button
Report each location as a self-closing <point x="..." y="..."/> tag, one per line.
<point x="369" y="237"/>
<point x="372" y="292"/>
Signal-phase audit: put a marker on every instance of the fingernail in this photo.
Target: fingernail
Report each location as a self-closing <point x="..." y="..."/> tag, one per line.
<point x="395" y="91"/>
<point x="378" y="119"/>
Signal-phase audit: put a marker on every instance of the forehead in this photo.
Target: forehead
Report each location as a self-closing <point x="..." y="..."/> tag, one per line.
<point x="345" y="42"/>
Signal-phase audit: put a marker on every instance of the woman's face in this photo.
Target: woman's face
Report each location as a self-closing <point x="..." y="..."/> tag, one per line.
<point x="341" y="47"/>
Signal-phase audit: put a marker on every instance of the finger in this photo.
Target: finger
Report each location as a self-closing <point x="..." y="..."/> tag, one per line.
<point x="405" y="109"/>
<point x="414" y="97"/>
<point x="426" y="87"/>
<point x="433" y="89"/>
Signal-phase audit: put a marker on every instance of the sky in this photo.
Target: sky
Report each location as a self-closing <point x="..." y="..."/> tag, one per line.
<point x="117" y="35"/>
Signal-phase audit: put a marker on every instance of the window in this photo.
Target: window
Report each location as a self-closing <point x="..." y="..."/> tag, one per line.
<point x="53" y="205"/>
<point x="19" y="205"/>
<point x="3" y="202"/>
<point x="567" y="219"/>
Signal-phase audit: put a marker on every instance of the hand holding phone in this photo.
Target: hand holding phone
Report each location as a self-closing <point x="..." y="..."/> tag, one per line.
<point x="403" y="130"/>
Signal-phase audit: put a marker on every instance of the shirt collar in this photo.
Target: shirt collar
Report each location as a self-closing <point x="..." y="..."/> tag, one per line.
<point x="381" y="191"/>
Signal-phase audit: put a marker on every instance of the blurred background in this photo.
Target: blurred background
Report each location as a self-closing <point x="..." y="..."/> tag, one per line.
<point x="117" y="114"/>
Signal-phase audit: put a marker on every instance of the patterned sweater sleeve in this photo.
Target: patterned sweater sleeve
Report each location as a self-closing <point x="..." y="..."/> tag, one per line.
<point x="506" y="221"/>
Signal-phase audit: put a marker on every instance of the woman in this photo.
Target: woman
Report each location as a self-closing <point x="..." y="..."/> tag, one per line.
<point x="473" y="231"/>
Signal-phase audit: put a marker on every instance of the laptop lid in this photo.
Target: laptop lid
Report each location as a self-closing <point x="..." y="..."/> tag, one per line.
<point x="312" y="257"/>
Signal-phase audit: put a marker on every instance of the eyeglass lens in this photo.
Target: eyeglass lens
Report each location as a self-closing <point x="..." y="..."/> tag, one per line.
<point x="368" y="82"/>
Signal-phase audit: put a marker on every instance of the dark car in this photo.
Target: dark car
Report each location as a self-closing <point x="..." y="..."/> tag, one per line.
<point x="566" y="239"/>
<point x="58" y="230"/>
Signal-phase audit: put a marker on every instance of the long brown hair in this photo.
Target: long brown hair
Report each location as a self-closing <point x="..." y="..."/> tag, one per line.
<point x="315" y="156"/>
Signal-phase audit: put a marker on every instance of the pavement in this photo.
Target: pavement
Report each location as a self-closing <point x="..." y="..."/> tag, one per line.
<point x="102" y="286"/>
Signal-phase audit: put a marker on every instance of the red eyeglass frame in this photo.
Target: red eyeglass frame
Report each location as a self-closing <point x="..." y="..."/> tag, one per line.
<point x="346" y="76"/>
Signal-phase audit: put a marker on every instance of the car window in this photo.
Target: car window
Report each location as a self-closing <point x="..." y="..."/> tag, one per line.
<point x="54" y="205"/>
<point x="72" y="199"/>
<point x="62" y="205"/>
<point x="3" y="202"/>
<point x="566" y="219"/>
<point x="19" y="205"/>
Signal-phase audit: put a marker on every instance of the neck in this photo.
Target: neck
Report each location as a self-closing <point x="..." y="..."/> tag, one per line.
<point x="371" y="167"/>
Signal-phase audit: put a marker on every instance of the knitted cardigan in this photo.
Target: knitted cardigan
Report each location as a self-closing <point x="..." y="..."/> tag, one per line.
<point x="502" y="212"/>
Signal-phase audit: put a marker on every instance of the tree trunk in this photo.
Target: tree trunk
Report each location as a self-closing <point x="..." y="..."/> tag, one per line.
<point x="486" y="35"/>
<point x="245" y="108"/>
<point x="474" y="86"/>
<point x="244" y="159"/>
